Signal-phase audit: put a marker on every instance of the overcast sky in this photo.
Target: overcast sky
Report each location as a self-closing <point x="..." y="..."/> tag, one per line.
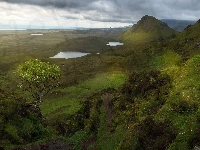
<point x="92" y="13"/>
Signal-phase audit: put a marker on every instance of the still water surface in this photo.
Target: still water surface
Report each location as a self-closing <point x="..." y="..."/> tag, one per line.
<point x="114" y="43"/>
<point x="67" y="55"/>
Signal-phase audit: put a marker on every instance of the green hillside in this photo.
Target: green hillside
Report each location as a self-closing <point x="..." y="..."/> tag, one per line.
<point x="187" y="42"/>
<point x="157" y="107"/>
<point x="144" y="95"/>
<point x="147" y="29"/>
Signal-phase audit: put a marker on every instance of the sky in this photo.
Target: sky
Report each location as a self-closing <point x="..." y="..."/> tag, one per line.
<point x="63" y="14"/>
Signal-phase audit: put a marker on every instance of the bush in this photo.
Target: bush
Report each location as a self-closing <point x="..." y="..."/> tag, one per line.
<point x="154" y="135"/>
<point x="19" y="125"/>
<point x="139" y="83"/>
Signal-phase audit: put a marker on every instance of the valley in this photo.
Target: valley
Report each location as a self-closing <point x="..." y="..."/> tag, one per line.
<point x="140" y="94"/>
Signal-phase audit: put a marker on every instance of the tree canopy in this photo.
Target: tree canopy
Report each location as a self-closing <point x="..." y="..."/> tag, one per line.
<point x="38" y="77"/>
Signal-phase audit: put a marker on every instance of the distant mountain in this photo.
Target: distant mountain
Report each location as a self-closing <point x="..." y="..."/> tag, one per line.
<point x="147" y="29"/>
<point x="178" y="25"/>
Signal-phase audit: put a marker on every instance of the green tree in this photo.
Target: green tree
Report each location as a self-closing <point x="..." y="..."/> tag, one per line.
<point x="38" y="78"/>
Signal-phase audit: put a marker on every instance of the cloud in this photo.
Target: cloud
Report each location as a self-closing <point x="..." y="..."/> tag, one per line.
<point x="100" y="11"/>
<point x="44" y="3"/>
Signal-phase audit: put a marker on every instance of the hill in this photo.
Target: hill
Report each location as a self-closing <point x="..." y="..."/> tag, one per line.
<point x="187" y="43"/>
<point x="146" y="99"/>
<point x="157" y="107"/>
<point x="147" y="29"/>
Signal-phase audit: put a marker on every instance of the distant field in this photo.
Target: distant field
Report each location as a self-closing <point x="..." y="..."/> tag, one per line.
<point x="22" y="42"/>
<point x="90" y="73"/>
<point x="80" y="77"/>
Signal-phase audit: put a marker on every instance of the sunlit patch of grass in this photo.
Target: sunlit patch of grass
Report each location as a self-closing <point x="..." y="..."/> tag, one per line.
<point x="182" y="104"/>
<point x="102" y="81"/>
<point x="69" y="102"/>
<point x="168" y="59"/>
<point x="57" y="106"/>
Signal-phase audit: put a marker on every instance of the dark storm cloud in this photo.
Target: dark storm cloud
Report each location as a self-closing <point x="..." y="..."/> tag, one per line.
<point x="127" y="11"/>
<point x="53" y="3"/>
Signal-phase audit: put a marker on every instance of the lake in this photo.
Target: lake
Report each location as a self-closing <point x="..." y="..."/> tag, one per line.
<point x="36" y="34"/>
<point x="67" y="55"/>
<point x="114" y="43"/>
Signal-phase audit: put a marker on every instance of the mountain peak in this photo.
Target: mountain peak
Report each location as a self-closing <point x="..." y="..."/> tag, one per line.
<point x="148" y="23"/>
<point x="148" y="28"/>
<point x="146" y="17"/>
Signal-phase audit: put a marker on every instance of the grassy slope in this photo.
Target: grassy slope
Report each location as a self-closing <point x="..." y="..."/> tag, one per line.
<point x="80" y="77"/>
<point x="147" y="29"/>
<point x="173" y="113"/>
<point x="185" y="42"/>
<point x="68" y="99"/>
<point x="181" y="106"/>
<point x="158" y="117"/>
<point x="167" y="117"/>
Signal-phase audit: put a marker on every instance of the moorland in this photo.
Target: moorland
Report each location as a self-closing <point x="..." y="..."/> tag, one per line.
<point x="140" y="95"/>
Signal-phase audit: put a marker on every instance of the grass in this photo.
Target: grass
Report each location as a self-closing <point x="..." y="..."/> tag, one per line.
<point x="147" y="29"/>
<point x="90" y="44"/>
<point x="86" y="75"/>
<point x="177" y="103"/>
<point x="109" y="141"/>
<point x="77" y="138"/>
<point x="23" y="44"/>
<point x="69" y="102"/>
<point x="166" y="60"/>
<point x="182" y="103"/>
